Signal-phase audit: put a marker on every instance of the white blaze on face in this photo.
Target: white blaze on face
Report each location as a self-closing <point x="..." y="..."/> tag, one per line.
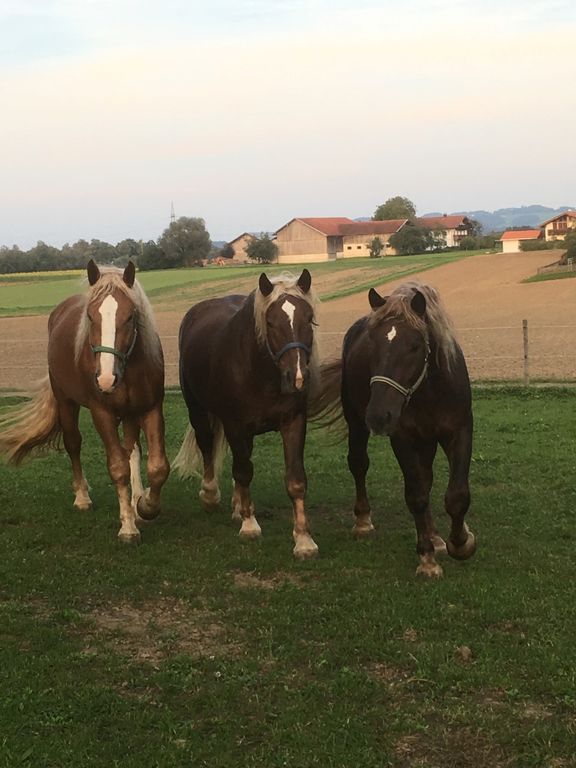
<point x="391" y="334"/>
<point x="108" y="310"/>
<point x="289" y="309"/>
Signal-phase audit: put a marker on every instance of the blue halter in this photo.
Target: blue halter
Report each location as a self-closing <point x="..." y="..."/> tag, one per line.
<point x="291" y="345"/>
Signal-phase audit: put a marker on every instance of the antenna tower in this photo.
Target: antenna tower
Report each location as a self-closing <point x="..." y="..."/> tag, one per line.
<point x="172" y="214"/>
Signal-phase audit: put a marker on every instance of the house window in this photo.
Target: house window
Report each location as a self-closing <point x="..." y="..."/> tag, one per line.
<point x="349" y="247"/>
<point x="358" y="247"/>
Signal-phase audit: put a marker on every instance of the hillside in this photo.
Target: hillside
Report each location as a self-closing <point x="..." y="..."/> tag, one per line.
<point x="502" y="218"/>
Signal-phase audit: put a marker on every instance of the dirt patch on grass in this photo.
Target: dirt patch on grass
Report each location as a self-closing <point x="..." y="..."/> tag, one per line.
<point x="251" y="580"/>
<point x="157" y="630"/>
<point x="450" y="748"/>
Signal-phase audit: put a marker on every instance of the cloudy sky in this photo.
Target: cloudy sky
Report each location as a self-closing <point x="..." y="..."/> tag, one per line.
<point x="250" y="112"/>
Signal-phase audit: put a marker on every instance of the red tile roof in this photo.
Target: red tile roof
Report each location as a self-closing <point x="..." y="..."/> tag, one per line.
<point x="444" y="222"/>
<point x="329" y="225"/>
<point x="521" y="234"/>
<point x="571" y="214"/>
<point x="388" y="227"/>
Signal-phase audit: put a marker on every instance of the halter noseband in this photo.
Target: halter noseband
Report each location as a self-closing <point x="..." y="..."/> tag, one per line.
<point x="122" y="356"/>
<point x="406" y="391"/>
<point x="291" y="345"/>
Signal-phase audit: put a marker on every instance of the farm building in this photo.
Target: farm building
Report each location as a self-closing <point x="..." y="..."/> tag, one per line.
<point x="455" y="227"/>
<point x="512" y="239"/>
<point x="335" y="237"/>
<point x="239" y="245"/>
<point x="338" y="237"/>
<point x="557" y="227"/>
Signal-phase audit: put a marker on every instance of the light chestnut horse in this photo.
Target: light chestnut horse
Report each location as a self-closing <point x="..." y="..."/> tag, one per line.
<point x="103" y="354"/>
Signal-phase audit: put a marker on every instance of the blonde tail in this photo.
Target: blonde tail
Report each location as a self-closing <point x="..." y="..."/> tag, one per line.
<point x="32" y="427"/>
<point x="189" y="461"/>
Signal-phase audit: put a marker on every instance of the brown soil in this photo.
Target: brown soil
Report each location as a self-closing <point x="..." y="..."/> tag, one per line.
<point x="484" y="294"/>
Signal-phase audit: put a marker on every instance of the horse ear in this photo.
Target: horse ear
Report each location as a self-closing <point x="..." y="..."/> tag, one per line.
<point x="305" y="281"/>
<point x="266" y="287"/>
<point x="129" y="274"/>
<point x="376" y="301"/>
<point x="93" y="272"/>
<point x="418" y="303"/>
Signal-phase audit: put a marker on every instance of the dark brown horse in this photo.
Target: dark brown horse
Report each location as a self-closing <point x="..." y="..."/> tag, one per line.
<point x="402" y="374"/>
<point x="104" y="354"/>
<point x="246" y="365"/>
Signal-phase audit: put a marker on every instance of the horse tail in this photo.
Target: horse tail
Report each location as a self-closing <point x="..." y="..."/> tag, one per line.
<point x="325" y="407"/>
<point x="31" y="428"/>
<point x="189" y="460"/>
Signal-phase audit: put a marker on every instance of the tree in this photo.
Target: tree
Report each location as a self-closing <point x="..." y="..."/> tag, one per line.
<point x="375" y="246"/>
<point x="262" y="249"/>
<point x="227" y="251"/>
<point x="410" y="240"/>
<point x="185" y="243"/>
<point x="151" y="256"/>
<point x="126" y="250"/>
<point x="570" y="241"/>
<point x="395" y="208"/>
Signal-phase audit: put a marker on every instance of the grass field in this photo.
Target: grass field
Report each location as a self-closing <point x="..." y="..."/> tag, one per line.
<point x="196" y="649"/>
<point x="38" y="293"/>
<point x="550" y="276"/>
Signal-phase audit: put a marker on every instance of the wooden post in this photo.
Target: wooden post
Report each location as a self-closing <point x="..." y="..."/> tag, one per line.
<point x="525" y="340"/>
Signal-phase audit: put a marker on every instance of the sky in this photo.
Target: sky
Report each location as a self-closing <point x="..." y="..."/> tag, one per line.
<point x="248" y="113"/>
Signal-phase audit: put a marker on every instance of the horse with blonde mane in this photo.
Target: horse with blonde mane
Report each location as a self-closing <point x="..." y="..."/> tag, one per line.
<point x="402" y="374"/>
<point x="246" y="366"/>
<point x="104" y="354"/>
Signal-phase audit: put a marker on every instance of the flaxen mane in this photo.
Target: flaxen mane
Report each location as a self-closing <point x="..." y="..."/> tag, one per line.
<point x="286" y="284"/>
<point x="110" y="280"/>
<point x="436" y="321"/>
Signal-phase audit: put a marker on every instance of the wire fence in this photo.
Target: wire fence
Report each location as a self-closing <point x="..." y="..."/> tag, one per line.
<point x="523" y="352"/>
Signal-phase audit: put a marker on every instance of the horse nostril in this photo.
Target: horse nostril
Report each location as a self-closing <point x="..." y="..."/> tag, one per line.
<point x="379" y="423"/>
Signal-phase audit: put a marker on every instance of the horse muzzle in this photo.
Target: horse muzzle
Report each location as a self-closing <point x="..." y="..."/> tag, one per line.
<point x="106" y="383"/>
<point x="292" y="382"/>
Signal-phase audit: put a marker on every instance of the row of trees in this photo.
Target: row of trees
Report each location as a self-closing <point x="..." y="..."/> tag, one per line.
<point x="185" y="243"/>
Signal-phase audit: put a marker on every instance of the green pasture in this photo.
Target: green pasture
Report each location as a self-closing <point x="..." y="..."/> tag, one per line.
<point x="550" y="276"/>
<point x="40" y="293"/>
<point x="196" y="649"/>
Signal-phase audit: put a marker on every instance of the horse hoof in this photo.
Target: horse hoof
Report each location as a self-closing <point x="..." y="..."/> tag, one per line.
<point x="145" y="510"/>
<point x="363" y="531"/>
<point x="129" y="538"/>
<point x="84" y="507"/>
<point x="464" y="551"/>
<point x="306" y="548"/>
<point x="430" y="570"/>
<point x="250" y="529"/>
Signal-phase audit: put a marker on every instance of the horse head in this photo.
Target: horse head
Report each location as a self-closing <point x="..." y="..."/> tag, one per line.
<point x="289" y="331"/>
<point x="399" y="351"/>
<point x="113" y="325"/>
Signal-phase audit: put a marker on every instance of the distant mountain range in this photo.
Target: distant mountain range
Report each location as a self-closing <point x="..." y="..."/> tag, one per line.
<point x="503" y="218"/>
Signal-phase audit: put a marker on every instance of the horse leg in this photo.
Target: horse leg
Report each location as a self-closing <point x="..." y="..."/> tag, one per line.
<point x="461" y="543"/>
<point x="293" y="438"/>
<point x="157" y="467"/>
<point x="358" y="463"/>
<point x="68" y="416"/>
<point x="204" y="432"/>
<point x="416" y="462"/>
<point x="133" y="449"/>
<point x="243" y="471"/>
<point x="119" y="470"/>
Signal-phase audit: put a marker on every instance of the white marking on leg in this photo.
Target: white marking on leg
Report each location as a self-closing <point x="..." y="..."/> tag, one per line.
<point x="250" y="528"/>
<point x="391" y="334"/>
<point x="304" y="546"/>
<point x="289" y="309"/>
<point x="135" y="476"/>
<point x="107" y="310"/>
<point x="82" y="498"/>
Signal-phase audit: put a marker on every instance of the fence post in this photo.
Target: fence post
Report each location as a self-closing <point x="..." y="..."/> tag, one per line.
<point x="525" y="340"/>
